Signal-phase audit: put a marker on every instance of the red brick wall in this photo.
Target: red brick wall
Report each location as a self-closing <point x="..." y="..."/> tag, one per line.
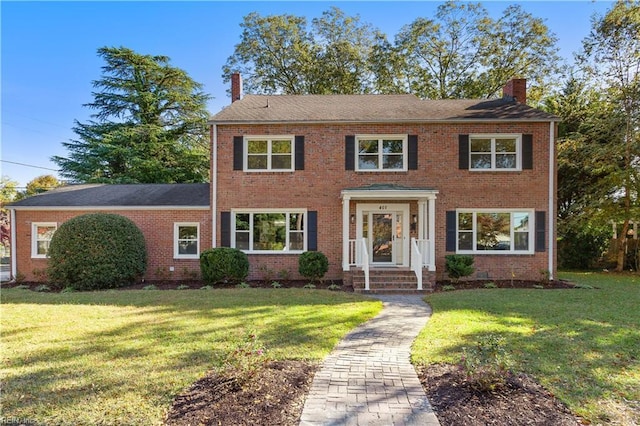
<point x="318" y="186"/>
<point x="156" y="225"/>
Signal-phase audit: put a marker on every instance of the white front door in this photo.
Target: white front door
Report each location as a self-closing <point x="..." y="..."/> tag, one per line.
<point x="386" y="228"/>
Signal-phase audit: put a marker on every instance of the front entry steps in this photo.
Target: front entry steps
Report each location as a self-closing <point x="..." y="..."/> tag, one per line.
<point x="392" y="281"/>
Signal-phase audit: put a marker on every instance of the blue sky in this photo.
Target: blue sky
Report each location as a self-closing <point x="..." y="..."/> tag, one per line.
<point x="48" y="54"/>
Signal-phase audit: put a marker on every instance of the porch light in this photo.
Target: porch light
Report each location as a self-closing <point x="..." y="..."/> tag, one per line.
<point x="414" y="218"/>
<point x="353" y="218"/>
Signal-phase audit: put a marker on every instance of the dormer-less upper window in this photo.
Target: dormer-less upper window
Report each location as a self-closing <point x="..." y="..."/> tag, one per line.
<point x="269" y="153"/>
<point x="494" y="152"/>
<point x="381" y="153"/>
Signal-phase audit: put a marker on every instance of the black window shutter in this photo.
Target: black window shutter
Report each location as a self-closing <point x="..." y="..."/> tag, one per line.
<point x="527" y="152"/>
<point x="541" y="228"/>
<point x="312" y="230"/>
<point x="349" y="152"/>
<point x="413" y="152"/>
<point x="299" y="153"/>
<point x="225" y="229"/>
<point x="238" y="153"/>
<point x="463" y="152"/>
<point x="451" y="231"/>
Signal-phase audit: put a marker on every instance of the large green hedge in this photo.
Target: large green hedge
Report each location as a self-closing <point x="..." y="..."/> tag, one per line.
<point x="96" y="251"/>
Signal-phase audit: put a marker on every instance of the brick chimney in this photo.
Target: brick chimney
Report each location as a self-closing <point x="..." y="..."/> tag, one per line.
<point x="516" y="88"/>
<point x="236" y="87"/>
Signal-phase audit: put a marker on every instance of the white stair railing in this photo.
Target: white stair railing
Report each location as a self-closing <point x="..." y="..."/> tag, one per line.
<point x="416" y="261"/>
<point x="365" y="262"/>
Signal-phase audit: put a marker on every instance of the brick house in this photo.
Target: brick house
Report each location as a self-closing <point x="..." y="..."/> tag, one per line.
<point x="384" y="185"/>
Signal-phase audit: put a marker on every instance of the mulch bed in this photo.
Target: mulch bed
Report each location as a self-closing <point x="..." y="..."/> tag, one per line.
<point x="476" y="284"/>
<point x="438" y="286"/>
<point x="521" y="401"/>
<point x="274" y="396"/>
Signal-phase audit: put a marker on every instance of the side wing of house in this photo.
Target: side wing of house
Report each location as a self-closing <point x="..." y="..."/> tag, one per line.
<point x="174" y="219"/>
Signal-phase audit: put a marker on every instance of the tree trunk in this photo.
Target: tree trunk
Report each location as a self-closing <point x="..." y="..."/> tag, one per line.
<point x="622" y="246"/>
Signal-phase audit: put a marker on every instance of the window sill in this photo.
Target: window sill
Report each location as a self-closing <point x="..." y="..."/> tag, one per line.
<point x="269" y="171"/>
<point x="272" y="252"/>
<point x="189" y="257"/>
<point x="496" y="253"/>
<point x="495" y="170"/>
<point x="381" y="171"/>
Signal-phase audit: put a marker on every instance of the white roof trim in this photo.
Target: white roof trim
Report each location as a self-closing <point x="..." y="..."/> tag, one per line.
<point x="387" y="194"/>
<point x="96" y="208"/>
<point x="393" y="121"/>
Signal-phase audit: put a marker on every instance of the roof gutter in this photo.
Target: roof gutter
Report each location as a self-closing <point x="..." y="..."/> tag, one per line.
<point x="12" y="223"/>
<point x="103" y="208"/>
<point x="214" y="185"/>
<point x="403" y="121"/>
<point x="552" y="197"/>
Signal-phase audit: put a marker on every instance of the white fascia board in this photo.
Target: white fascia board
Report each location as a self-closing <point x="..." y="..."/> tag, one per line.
<point x="100" y="208"/>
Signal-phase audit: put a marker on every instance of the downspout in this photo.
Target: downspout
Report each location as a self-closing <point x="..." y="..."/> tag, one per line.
<point x="214" y="185"/>
<point x="12" y="223"/>
<point x="552" y="196"/>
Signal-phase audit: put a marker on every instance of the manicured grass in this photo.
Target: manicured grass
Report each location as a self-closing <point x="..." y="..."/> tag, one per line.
<point x="119" y="357"/>
<point x="582" y="344"/>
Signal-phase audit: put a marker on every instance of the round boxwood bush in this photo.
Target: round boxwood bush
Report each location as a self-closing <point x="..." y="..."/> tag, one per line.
<point x="313" y="265"/>
<point x="223" y="265"/>
<point x="96" y="251"/>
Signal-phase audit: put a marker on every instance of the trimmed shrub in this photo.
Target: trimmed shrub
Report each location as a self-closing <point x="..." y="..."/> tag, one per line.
<point x="223" y="265"/>
<point x="313" y="265"/>
<point x="96" y="251"/>
<point x="458" y="266"/>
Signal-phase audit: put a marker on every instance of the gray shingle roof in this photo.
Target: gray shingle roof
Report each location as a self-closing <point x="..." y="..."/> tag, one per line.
<point x="133" y="195"/>
<point x="372" y="108"/>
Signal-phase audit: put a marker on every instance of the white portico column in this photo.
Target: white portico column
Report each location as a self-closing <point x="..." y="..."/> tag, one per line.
<point x="432" y="233"/>
<point x="422" y="219"/>
<point x="345" y="232"/>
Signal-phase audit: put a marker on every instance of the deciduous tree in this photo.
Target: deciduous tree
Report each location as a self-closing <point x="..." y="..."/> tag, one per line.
<point x="8" y="191"/>
<point x="284" y="54"/>
<point x="611" y="59"/>
<point x="463" y="53"/>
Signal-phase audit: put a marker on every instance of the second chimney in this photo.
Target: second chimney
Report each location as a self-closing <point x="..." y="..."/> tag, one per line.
<point x="236" y="87"/>
<point x="516" y="88"/>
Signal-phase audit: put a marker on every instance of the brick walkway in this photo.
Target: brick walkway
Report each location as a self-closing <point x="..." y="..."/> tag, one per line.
<point x="368" y="379"/>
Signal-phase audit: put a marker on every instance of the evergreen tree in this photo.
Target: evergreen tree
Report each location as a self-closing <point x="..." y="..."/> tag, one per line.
<point x="149" y="125"/>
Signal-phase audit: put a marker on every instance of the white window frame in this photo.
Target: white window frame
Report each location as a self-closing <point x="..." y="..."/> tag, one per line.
<point x="269" y="139"/>
<point x="287" y="212"/>
<point x="493" y="137"/>
<point x="380" y="138"/>
<point x="35" y="240"/>
<point x="511" y="251"/>
<point x="176" y="240"/>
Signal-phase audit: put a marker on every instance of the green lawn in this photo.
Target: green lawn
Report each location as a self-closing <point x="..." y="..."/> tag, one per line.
<point x="581" y="344"/>
<point x="119" y="357"/>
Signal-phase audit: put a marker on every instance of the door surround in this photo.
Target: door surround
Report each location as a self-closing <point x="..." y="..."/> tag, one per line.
<point x="400" y="245"/>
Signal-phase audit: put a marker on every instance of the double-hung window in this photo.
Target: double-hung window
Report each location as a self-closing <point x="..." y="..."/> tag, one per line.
<point x="270" y="231"/>
<point x="41" y="234"/>
<point x="269" y="153"/>
<point x="186" y="240"/>
<point x="495" y="231"/>
<point x="495" y="152"/>
<point x="381" y="152"/>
